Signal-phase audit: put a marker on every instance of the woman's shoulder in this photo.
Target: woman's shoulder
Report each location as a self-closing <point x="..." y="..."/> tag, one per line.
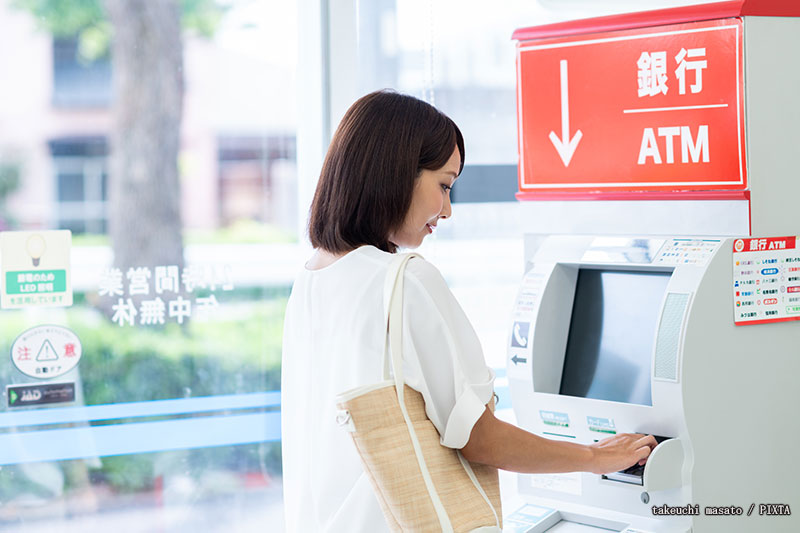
<point x="425" y="282"/>
<point x="428" y="295"/>
<point x="424" y="272"/>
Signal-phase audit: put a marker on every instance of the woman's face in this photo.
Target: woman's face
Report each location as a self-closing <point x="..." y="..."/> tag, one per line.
<point x="429" y="202"/>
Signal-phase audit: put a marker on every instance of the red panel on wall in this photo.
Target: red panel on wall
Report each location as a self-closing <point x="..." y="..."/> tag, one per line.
<point x="659" y="17"/>
<point x="649" y="109"/>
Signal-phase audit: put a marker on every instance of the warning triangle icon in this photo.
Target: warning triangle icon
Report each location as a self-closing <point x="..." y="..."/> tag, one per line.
<point x="47" y="352"/>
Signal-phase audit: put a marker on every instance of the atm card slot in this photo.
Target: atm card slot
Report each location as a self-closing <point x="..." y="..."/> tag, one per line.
<point x="633" y="474"/>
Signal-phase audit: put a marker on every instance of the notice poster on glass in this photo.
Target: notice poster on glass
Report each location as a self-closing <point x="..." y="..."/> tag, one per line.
<point x="766" y="280"/>
<point x="35" y="269"/>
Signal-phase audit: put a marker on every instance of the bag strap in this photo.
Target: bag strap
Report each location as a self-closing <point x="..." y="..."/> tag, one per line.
<point x="393" y="353"/>
<point x="395" y="266"/>
<point x="393" y="308"/>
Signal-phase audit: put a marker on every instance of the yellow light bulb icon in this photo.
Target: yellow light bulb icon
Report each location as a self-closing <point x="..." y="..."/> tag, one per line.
<point x="35" y="248"/>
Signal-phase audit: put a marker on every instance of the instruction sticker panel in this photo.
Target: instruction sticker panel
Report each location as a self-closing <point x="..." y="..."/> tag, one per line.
<point x="766" y="280"/>
<point x="35" y="269"/>
<point x="688" y="252"/>
<point x="522" y="328"/>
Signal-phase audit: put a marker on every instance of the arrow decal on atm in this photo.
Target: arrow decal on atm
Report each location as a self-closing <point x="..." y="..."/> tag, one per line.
<point x="517" y="359"/>
<point x="565" y="146"/>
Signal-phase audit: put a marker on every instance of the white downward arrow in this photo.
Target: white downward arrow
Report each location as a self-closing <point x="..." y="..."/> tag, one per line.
<point x="565" y="146"/>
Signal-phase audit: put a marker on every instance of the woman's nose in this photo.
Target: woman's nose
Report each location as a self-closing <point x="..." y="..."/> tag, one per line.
<point x="447" y="209"/>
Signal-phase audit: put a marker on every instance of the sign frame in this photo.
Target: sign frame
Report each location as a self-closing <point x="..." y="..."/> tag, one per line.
<point x="566" y="186"/>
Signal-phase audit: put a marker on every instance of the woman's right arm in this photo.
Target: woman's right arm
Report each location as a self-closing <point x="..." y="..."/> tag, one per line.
<point x="455" y="383"/>
<point x="505" y="446"/>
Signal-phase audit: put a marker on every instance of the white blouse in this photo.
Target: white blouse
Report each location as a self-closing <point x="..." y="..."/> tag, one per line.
<point x="333" y="341"/>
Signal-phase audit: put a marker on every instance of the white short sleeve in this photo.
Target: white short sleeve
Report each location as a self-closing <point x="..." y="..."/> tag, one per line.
<point x="442" y="356"/>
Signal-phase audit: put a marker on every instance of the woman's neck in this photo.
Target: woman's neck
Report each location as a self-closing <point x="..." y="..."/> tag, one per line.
<point x="322" y="259"/>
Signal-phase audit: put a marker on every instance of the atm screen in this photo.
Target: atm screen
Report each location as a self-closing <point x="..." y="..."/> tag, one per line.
<point x="614" y="321"/>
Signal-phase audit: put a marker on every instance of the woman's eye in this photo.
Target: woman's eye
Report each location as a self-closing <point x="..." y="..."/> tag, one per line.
<point x="446" y="188"/>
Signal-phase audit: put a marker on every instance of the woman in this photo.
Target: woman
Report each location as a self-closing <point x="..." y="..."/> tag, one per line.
<point x="385" y="184"/>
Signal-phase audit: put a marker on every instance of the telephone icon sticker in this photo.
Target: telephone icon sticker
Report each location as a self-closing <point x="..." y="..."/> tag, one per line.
<point x="519" y="335"/>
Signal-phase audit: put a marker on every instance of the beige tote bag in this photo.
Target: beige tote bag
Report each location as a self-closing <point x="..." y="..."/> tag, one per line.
<point x="421" y="485"/>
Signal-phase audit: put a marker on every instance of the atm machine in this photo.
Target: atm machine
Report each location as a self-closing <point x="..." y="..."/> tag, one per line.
<point x="661" y="299"/>
<point x="637" y="334"/>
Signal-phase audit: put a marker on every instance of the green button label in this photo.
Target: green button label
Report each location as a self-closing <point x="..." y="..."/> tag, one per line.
<point x="36" y="281"/>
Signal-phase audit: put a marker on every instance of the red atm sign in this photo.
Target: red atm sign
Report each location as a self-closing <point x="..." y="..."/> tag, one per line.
<point x="658" y="108"/>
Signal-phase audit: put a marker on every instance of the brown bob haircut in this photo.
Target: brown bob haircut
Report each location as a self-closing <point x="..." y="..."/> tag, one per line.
<point x="379" y="149"/>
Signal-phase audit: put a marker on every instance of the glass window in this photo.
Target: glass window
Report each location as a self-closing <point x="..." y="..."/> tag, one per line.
<point x="169" y="151"/>
<point x="79" y="80"/>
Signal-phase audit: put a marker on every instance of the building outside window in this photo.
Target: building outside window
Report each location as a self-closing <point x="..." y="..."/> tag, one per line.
<point x="81" y="176"/>
<point x="79" y="81"/>
<point x="256" y="176"/>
